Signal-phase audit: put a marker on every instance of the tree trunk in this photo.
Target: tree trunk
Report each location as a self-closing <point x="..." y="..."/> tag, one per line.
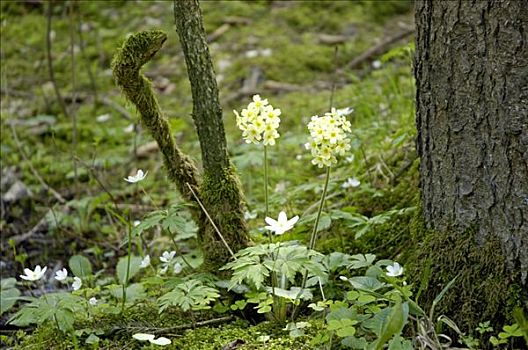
<point x="471" y="70"/>
<point x="220" y="190"/>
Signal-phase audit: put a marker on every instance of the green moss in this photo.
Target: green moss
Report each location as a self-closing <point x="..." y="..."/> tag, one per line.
<point x="136" y="51"/>
<point x="211" y="338"/>
<point x="485" y="288"/>
<point x="116" y="332"/>
<point x="224" y="201"/>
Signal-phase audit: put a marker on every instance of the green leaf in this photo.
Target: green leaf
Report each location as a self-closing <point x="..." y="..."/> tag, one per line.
<point x="7" y="283"/>
<point x="393" y="325"/>
<point x="346" y="332"/>
<point x="192" y="294"/>
<point x="64" y="318"/>
<point x="440" y="296"/>
<point x="80" y="266"/>
<point x="336" y="260"/>
<point x="513" y="331"/>
<point x="133" y="292"/>
<point x="92" y="339"/>
<point x="8" y="298"/>
<point x="151" y="220"/>
<point x="354" y="343"/>
<point x="366" y="283"/>
<point x="121" y="268"/>
<point x="376" y="323"/>
<point x="360" y="260"/>
<point x="398" y="343"/>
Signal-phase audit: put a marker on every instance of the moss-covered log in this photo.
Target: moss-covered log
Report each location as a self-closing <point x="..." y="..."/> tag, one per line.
<point x="220" y="190"/>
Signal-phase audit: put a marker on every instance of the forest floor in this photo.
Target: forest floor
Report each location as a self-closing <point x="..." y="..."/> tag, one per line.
<point x="61" y="168"/>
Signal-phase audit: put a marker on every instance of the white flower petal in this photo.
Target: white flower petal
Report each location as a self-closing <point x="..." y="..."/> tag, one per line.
<point x="77" y="283"/>
<point x="160" y="341"/>
<point x="145" y="262"/>
<point x="61" y="275"/>
<point x="271" y="221"/>
<point x="282" y="218"/>
<point x="143" y="336"/>
<point x="293" y="221"/>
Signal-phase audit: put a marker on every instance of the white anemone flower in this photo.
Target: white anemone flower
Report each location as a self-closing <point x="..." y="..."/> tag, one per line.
<point x="351" y="182"/>
<point x="282" y="224"/>
<point x="178" y="268"/>
<point x="93" y="301"/>
<point x="151" y="338"/>
<point x="103" y="118"/>
<point x="166" y="257"/>
<point x="394" y="270"/>
<point x="61" y="275"/>
<point x="145" y="262"/>
<point x="343" y="278"/>
<point x="35" y="275"/>
<point x="162" y="341"/>
<point x="129" y="129"/>
<point x="136" y="223"/>
<point x="143" y="336"/>
<point x="77" y="283"/>
<point x="136" y="178"/>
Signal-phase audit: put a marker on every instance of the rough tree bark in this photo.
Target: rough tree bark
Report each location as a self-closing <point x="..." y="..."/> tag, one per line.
<point x="220" y="188"/>
<point x="471" y="70"/>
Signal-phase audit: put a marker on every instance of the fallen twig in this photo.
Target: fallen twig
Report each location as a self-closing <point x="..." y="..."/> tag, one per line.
<point x="379" y="49"/>
<point x="218" y="32"/>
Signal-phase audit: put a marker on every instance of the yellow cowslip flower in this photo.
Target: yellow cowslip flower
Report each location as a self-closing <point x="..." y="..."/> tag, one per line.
<point x="328" y="138"/>
<point x="259" y="121"/>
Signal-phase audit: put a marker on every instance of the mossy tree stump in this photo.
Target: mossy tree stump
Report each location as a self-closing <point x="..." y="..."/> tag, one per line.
<point x="218" y="187"/>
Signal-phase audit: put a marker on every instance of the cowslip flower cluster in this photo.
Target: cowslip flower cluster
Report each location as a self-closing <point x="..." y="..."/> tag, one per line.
<point x="259" y="122"/>
<point x="328" y="138"/>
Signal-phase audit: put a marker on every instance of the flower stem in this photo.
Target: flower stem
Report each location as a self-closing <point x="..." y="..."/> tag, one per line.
<point x="127" y="276"/>
<point x="321" y="204"/>
<point x="266" y="183"/>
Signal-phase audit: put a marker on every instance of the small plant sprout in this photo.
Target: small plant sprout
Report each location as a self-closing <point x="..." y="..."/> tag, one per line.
<point x="151" y="338"/>
<point x="93" y="301"/>
<point x="61" y="275"/>
<point x="34" y="275"/>
<point x="136" y="178"/>
<point x="282" y="224"/>
<point x="351" y="182"/>
<point x="145" y="262"/>
<point x="167" y="257"/>
<point x="394" y="270"/>
<point x="77" y="283"/>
